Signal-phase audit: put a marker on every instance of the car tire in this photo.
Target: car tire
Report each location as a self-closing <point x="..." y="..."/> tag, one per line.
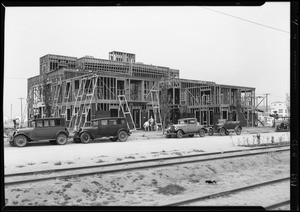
<point x="122" y="136"/>
<point x="61" y="139"/>
<point x="210" y="132"/>
<point x="202" y="133"/>
<point x="12" y="143"/>
<point x="168" y="136"/>
<point x="20" y="141"/>
<point x="191" y="135"/>
<point x="222" y="131"/>
<point x="179" y="134"/>
<point x="114" y="139"/>
<point x="85" y="137"/>
<point x="226" y="132"/>
<point x="238" y="131"/>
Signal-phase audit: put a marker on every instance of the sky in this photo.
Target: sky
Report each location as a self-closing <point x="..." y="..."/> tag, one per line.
<point x="241" y="46"/>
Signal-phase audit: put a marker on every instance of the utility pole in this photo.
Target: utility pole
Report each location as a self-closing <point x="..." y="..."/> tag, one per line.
<point x="266" y="94"/>
<point x="21" y="113"/>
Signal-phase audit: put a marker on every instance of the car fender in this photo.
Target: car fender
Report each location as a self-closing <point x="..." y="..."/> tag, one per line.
<point x="91" y="134"/>
<point x="62" y="131"/>
<point x="124" y="129"/>
<point x="21" y="133"/>
<point x="181" y="130"/>
<point x="237" y="127"/>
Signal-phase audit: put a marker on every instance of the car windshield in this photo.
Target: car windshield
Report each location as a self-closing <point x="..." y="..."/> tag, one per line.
<point x="95" y="123"/>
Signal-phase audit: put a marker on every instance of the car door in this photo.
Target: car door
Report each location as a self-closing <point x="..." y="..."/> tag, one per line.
<point x="94" y="129"/>
<point x="39" y="132"/>
<point x="103" y="128"/>
<point x="112" y="127"/>
<point x="191" y="128"/>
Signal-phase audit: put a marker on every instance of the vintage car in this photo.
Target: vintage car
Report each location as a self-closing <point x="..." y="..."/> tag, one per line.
<point x="282" y="124"/>
<point x="52" y="129"/>
<point x="186" y="126"/>
<point x="224" y="127"/>
<point x="112" y="127"/>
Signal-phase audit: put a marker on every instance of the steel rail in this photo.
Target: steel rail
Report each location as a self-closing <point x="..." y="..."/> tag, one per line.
<point x="219" y="194"/>
<point x="277" y="205"/>
<point x="139" y="161"/>
<point x="114" y="170"/>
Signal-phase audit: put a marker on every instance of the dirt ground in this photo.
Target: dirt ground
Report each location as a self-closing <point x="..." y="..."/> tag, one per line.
<point x="154" y="187"/>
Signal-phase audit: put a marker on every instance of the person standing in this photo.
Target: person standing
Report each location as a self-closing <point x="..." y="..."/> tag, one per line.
<point x="151" y="123"/>
<point x="15" y="123"/>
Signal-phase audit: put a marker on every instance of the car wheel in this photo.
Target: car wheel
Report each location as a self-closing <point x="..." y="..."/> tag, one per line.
<point x="226" y="132"/>
<point x="114" y="139"/>
<point x="12" y="143"/>
<point x="202" y="133"/>
<point x="168" y="136"/>
<point x="191" y="135"/>
<point x="61" y="139"/>
<point x="179" y="134"/>
<point x="222" y="131"/>
<point x="53" y="142"/>
<point x="210" y="132"/>
<point x="20" y="141"/>
<point x="122" y="136"/>
<point x="238" y="131"/>
<point x="85" y="137"/>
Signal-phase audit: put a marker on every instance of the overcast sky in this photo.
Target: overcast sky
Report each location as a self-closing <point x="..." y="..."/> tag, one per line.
<point x="242" y="46"/>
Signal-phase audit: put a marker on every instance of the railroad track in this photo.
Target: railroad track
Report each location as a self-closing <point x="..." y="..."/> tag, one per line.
<point x="231" y="192"/>
<point x="278" y="205"/>
<point x="50" y="174"/>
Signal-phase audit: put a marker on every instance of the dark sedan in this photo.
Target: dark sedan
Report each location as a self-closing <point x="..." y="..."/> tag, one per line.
<point x="112" y="127"/>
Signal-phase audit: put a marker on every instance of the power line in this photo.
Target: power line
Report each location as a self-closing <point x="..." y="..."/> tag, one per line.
<point x="247" y="20"/>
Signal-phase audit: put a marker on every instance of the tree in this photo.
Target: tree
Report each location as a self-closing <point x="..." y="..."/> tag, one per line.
<point x="165" y="105"/>
<point x="46" y="89"/>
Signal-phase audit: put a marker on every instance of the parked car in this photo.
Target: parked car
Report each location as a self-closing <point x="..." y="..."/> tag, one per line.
<point x="225" y="127"/>
<point x="114" y="128"/>
<point x="52" y="129"/>
<point x="186" y="126"/>
<point x="282" y="124"/>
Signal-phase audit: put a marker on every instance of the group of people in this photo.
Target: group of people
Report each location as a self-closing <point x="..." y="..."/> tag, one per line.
<point x="149" y="125"/>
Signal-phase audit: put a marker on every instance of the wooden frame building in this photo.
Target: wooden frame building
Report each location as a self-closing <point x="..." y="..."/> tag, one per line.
<point x="89" y="87"/>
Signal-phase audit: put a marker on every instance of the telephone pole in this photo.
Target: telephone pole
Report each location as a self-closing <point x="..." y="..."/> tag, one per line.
<point x="21" y="113"/>
<point x="266" y="94"/>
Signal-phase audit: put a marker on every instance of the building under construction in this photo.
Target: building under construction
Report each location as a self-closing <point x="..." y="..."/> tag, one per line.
<point x="82" y="89"/>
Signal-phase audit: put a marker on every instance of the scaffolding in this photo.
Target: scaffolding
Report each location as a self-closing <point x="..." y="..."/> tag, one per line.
<point x="122" y="100"/>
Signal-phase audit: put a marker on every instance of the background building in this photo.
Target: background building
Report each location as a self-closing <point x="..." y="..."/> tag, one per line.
<point x="281" y="108"/>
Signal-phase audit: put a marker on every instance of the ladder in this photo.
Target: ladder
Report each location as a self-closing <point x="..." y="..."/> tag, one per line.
<point x="88" y="100"/>
<point x="55" y="100"/>
<point x="66" y="99"/>
<point x="122" y="98"/>
<point x="77" y="103"/>
<point x="156" y="108"/>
